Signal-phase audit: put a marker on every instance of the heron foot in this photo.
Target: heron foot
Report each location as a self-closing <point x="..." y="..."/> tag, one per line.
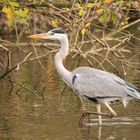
<point x="112" y="115"/>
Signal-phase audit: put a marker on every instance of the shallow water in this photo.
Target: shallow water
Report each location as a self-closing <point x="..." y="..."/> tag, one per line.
<point x="55" y="116"/>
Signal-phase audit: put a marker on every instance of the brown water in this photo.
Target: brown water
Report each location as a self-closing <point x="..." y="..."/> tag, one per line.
<point x="55" y="116"/>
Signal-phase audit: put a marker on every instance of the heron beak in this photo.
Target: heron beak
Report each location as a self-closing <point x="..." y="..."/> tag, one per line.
<point x="41" y="36"/>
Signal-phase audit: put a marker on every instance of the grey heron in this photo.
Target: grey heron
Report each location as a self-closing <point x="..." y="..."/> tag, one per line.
<point x="95" y="85"/>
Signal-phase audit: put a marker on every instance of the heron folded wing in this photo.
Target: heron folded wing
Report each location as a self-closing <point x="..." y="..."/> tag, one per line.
<point x="97" y="85"/>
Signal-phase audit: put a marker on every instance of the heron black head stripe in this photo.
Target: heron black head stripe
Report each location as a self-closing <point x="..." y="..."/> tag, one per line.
<point x="58" y="31"/>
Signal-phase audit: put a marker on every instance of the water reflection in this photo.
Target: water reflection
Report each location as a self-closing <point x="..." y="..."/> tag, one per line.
<point x="56" y="118"/>
<point x="111" y="131"/>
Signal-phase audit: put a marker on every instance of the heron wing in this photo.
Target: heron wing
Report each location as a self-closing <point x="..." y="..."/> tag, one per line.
<point x="95" y="83"/>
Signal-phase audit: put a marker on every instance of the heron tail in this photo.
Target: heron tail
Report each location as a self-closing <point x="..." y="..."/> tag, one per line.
<point x="133" y="90"/>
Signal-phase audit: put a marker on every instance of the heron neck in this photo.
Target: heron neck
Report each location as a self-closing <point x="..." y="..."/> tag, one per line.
<point x="63" y="72"/>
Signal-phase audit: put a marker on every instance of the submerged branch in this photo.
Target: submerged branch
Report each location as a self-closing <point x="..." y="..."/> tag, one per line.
<point x="23" y="86"/>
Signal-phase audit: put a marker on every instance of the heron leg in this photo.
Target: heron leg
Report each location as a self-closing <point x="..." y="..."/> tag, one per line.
<point x="113" y="113"/>
<point x="99" y="111"/>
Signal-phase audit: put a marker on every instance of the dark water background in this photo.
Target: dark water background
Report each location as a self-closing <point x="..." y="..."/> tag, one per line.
<point x="56" y="116"/>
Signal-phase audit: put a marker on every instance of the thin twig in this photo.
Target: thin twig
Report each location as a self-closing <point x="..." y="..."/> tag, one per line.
<point x="15" y="66"/>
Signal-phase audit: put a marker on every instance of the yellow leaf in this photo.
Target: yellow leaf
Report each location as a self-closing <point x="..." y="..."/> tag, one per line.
<point x="26" y="10"/>
<point x="99" y="11"/>
<point x="66" y="9"/>
<point x="127" y="18"/>
<point x="87" y="25"/>
<point x="9" y="13"/>
<point x="81" y="12"/>
<point x="98" y="4"/>
<point x="90" y="5"/>
<point x="54" y="23"/>
<point x="83" y="31"/>
<point x="77" y="5"/>
<point x="107" y="1"/>
<point x="122" y="23"/>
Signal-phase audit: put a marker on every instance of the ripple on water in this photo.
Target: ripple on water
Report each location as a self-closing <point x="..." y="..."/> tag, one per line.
<point x="116" y="121"/>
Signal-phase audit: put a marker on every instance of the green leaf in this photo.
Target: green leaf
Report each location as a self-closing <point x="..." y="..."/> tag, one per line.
<point x="14" y="4"/>
<point x="81" y="12"/>
<point x="10" y="22"/>
<point x="20" y="13"/>
<point x="114" y="17"/>
<point x="5" y="10"/>
<point x="103" y="17"/>
<point x="23" y="21"/>
<point x="90" y="5"/>
<point x="83" y="31"/>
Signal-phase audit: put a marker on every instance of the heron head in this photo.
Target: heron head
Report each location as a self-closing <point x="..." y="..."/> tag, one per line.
<point x="55" y="34"/>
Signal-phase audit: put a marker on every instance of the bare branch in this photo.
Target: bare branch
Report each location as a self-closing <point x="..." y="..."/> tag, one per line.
<point x="15" y="66"/>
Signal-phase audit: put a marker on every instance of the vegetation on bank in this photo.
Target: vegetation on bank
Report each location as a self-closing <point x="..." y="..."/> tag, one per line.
<point x="101" y="25"/>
